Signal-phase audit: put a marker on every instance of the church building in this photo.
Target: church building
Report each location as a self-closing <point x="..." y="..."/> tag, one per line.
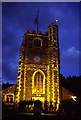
<point x="39" y="69"/>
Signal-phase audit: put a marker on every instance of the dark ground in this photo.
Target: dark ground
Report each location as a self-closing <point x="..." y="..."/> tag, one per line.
<point x="12" y="115"/>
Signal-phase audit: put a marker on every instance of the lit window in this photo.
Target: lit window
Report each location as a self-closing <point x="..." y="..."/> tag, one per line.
<point x="38" y="82"/>
<point x="9" y="99"/>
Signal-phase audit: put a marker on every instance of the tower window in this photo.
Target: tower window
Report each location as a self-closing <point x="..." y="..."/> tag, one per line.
<point x="38" y="82"/>
<point x="37" y="43"/>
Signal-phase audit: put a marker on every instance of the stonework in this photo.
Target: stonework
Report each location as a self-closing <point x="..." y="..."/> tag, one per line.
<point x="39" y="67"/>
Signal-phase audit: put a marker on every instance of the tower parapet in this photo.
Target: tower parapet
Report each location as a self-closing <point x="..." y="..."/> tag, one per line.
<point x="27" y="31"/>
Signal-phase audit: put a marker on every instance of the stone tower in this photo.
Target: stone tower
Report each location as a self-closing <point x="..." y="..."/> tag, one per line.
<point x="39" y="67"/>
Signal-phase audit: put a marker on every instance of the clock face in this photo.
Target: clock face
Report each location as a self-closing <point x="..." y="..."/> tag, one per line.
<point x="36" y="58"/>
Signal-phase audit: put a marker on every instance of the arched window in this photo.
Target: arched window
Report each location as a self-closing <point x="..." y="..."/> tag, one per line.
<point x="38" y="83"/>
<point x="9" y="98"/>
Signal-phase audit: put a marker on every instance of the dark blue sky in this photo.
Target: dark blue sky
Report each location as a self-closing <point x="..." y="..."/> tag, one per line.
<point x="17" y="17"/>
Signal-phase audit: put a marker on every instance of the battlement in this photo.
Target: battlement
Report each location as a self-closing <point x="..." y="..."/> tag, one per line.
<point x="53" y="25"/>
<point x="27" y="31"/>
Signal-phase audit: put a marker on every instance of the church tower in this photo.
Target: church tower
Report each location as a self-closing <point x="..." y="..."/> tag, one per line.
<point x="39" y="67"/>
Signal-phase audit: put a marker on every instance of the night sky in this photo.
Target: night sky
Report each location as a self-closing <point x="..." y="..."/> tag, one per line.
<point x="17" y="17"/>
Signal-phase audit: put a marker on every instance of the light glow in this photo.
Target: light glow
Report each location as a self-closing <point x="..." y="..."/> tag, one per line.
<point x="33" y="77"/>
<point x="56" y="20"/>
<point x="74" y="98"/>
